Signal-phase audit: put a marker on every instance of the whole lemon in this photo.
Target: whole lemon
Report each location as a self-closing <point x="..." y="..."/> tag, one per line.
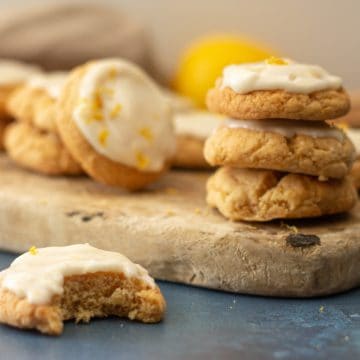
<point x="202" y="63"/>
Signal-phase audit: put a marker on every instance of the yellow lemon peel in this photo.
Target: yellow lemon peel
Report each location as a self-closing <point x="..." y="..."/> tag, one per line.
<point x="115" y="111"/>
<point x="273" y="60"/>
<point x="146" y="133"/>
<point x="142" y="160"/>
<point x="103" y="136"/>
<point x="33" y="250"/>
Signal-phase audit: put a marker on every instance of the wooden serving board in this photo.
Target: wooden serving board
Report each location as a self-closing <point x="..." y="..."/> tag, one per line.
<point x="169" y="230"/>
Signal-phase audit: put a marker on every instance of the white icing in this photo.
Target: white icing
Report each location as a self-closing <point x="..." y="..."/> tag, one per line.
<point x="292" y="77"/>
<point x="143" y="110"/>
<point x="200" y="124"/>
<point x="177" y="102"/>
<point x="40" y="276"/>
<point x="354" y="135"/>
<point x="15" y="72"/>
<point x="289" y="128"/>
<point x="52" y="83"/>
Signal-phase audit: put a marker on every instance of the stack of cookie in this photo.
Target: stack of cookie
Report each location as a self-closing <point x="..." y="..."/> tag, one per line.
<point x="32" y="140"/>
<point x="279" y="157"/>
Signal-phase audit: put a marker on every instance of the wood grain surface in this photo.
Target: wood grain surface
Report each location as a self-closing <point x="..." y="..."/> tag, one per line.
<point x="170" y="230"/>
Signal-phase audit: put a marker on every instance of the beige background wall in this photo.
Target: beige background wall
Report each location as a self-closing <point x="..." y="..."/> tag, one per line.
<point x="318" y="31"/>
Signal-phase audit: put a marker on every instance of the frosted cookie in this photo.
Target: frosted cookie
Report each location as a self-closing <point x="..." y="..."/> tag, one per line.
<point x="263" y="195"/>
<point x="12" y="74"/>
<point x="116" y="123"/>
<point x="39" y="150"/>
<point x="44" y="287"/>
<point x="313" y="148"/>
<point x="35" y="101"/>
<point x="278" y="88"/>
<point x="192" y="129"/>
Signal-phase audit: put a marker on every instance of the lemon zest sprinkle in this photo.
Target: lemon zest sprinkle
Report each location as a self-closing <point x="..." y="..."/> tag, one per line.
<point x="103" y="136"/>
<point x="115" y="111"/>
<point x="273" y="60"/>
<point x="113" y="73"/>
<point x="142" y="160"/>
<point x="146" y="133"/>
<point x="33" y="250"/>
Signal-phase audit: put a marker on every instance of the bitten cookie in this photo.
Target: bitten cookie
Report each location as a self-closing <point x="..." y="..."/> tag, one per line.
<point x="278" y="88"/>
<point x="263" y="195"/>
<point x="313" y="148"/>
<point x="192" y="128"/>
<point x="116" y="123"/>
<point x="44" y="287"/>
<point x="39" y="150"/>
<point x="34" y="102"/>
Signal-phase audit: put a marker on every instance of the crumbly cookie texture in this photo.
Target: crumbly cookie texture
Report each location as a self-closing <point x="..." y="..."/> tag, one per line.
<point x="85" y="296"/>
<point x="355" y="173"/>
<point x="278" y="104"/>
<point x="263" y="195"/>
<point x="5" y="94"/>
<point x="189" y="153"/>
<point x="96" y="165"/>
<point x="34" y="106"/>
<point x="244" y="148"/>
<point x="3" y="125"/>
<point x="39" y="150"/>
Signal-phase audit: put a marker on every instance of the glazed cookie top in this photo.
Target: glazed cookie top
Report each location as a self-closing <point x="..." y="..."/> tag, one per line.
<point x="124" y="116"/>
<point x="52" y="83"/>
<point x="278" y="74"/>
<point x="199" y="124"/>
<point x="39" y="274"/>
<point x="15" y="72"/>
<point x="289" y="128"/>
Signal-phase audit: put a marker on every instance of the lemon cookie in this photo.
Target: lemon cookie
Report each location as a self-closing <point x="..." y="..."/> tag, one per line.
<point x="263" y="195"/>
<point x="44" y="287"/>
<point x="39" y="150"/>
<point x="34" y="102"/>
<point x="116" y="122"/>
<point x="12" y="74"/>
<point x="313" y="148"/>
<point x="192" y="128"/>
<point x="278" y="88"/>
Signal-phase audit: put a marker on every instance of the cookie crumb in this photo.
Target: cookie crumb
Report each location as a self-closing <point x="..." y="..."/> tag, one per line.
<point x="33" y="250"/>
<point x="321" y="309"/>
<point x="197" y="211"/>
<point x="170" y="213"/>
<point x="291" y="228"/>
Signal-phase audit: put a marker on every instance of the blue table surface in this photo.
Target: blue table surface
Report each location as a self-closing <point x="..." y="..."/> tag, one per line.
<point x="205" y="324"/>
